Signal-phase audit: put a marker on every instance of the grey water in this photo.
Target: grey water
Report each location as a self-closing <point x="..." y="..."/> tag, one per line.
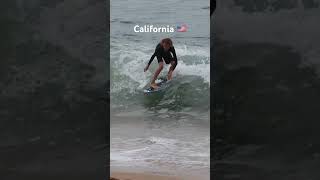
<point x="166" y="132"/>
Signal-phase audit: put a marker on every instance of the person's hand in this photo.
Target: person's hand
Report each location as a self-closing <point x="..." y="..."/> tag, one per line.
<point x="146" y="68"/>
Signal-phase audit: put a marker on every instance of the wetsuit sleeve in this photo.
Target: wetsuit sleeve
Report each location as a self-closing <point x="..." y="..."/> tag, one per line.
<point x="151" y="59"/>
<point x="156" y="53"/>
<point x="174" y="54"/>
<point x="174" y="57"/>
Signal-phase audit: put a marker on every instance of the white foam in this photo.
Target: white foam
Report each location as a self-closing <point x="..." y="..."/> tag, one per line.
<point x="174" y="150"/>
<point x="202" y="70"/>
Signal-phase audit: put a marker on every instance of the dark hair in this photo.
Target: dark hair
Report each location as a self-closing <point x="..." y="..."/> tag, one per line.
<point x="167" y="41"/>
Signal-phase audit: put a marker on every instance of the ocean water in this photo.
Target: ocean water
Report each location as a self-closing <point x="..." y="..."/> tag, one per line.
<point x="167" y="132"/>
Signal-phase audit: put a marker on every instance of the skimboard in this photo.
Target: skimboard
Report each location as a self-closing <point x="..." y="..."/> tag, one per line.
<point x="162" y="84"/>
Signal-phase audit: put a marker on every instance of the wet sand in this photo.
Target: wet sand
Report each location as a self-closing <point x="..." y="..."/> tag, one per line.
<point x="145" y="176"/>
<point x="140" y="176"/>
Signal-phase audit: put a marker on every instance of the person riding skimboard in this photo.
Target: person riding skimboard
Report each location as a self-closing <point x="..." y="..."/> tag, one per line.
<point x="165" y="53"/>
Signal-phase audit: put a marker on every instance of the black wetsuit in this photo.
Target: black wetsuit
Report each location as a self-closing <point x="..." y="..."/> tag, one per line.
<point x="166" y="55"/>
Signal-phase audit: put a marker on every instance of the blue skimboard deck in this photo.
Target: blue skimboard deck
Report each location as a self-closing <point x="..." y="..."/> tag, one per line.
<point x="162" y="84"/>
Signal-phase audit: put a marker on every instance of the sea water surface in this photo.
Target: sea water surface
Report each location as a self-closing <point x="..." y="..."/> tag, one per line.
<point x="166" y="132"/>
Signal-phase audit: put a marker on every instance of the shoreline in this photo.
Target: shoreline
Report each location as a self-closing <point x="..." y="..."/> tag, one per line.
<point x="147" y="174"/>
<point x="141" y="176"/>
<point x="122" y="175"/>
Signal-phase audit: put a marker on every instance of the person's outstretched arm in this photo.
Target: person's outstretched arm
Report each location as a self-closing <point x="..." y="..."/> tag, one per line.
<point x="174" y="53"/>
<point x="174" y="56"/>
<point x="151" y="59"/>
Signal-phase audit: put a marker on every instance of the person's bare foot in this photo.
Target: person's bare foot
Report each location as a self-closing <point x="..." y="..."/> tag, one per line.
<point x="154" y="85"/>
